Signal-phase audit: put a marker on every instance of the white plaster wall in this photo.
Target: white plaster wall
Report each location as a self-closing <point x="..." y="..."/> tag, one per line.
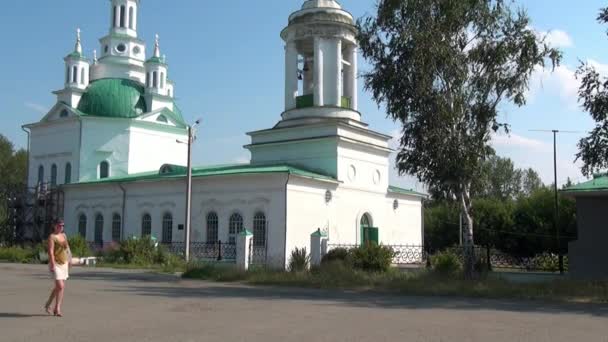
<point x="370" y="167"/>
<point x="308" y="211"/>
<point x="317" y="155"/>
<point x="150" y="148"/>
<point x="104" y="139"/>
<point x="396" y="227"/>
<point x="245" y="194"/>
<point x="54" y="143"/>
<point x="105" y="68"/>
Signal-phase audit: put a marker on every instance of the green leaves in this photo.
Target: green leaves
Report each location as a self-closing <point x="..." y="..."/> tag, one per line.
<point x="442" y="68"/>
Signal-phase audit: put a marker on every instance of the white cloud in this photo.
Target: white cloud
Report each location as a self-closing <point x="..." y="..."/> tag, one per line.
<point x="558" y="39"/>
<point x="37" y="107"/>
<point x="242" y="160"/>
<point x="515" y="140"/>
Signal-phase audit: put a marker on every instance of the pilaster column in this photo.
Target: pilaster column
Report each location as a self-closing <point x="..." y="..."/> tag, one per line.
<point x="354" y="98"/>
<point x="117" y="16"/>
<point x="291" y="75"/>
<point x="318" y="72"/>
<point x="338" y="72"/>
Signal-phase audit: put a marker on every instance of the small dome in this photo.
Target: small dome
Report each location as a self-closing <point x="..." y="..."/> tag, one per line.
<point x="114" y="98"/>
<point x="321" y="4"/>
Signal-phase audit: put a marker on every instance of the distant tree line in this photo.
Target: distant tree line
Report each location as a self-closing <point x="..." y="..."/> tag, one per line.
<point x="513" y="212"/>
<point x="13" y="171"/>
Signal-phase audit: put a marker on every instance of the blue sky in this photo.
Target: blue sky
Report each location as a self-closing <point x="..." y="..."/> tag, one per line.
<point x="226" y="58"/>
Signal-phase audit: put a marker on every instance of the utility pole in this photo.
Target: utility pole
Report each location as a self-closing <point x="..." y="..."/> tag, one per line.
<point x="188" y="218"/>
<point x="556" y="209"/>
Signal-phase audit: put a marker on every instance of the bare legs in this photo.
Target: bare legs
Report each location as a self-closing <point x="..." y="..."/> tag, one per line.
<point x="57" y="295"/>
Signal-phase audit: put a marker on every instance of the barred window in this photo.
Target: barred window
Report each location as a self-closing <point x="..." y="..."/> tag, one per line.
<point x="235" y="226"/>
<point x="212" y="227"/>
<point x="82" y="225"/>
<point x="146" y="225"/>
<point x="68" y="173"/>
<point x="259" y="230"/>
<point x="53" y="175"/>
<point x="40" y="174"/>
<point x="104" y="170"/>
<point x="116" y="227"/>
<point x="99" y="229"/>
<point x="167" y="228"/>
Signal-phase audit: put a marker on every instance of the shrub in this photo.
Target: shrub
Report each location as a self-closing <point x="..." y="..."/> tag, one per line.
<point x="79" y="246"/>
<point x="138" y="251"/>
<point x="446" y="263"/>
<point x="299" y="260"/>
<point x="336" y="254"/>
<point x="372" y="258"/>
<point x="17" y="254"/>
<point x="215" y="272"/>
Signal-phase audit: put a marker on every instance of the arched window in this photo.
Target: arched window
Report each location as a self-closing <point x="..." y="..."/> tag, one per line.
<point x="116" y="227"/>
<point x="114" y="16"/>
<point x="167" y="228"/>
<point x="162" y="118"/>
<point x="82" y="76"/>
<point x="131" y="18"/>
<point x="212" y="227"/>
<point x="366" y="221"/>
<point x="64" y="113"/>
<point x="148" y="80"/>
<point x="104" y="170"/>
<point x="146" y="225"/>
<point x="169" y="92"/>
<point x="75" y="74"/>
<point x="155" y="79"/>
<point x="123" y="14"/>
<point x="68" y="173"/>
<point x="67" y="74"/>
<point x="54" y="175"/>
<point x="82" y="225"/>
<point x="259" y="230"/>
<point x="40" y="174"/>
<point x="235" y="226"/>
<point x="162" y="80"/>
<point x="99" y="229"/>
<point x="368" y="232"/>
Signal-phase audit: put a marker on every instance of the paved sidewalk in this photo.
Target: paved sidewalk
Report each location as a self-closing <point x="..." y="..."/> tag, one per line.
<point x="109" y="305"/>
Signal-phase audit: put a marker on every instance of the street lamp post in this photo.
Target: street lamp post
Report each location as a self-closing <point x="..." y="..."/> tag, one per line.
<point x="191" y="138"/>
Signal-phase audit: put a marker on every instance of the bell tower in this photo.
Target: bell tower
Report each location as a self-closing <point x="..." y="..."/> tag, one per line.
<point x="320" y="62"/>
<point x="122" y="52"/>
<point x="321" y="128"/>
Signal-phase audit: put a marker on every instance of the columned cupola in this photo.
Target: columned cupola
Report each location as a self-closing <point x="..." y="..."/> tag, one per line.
<point x="159" y="91"/>
<point x="321" y="62"/>
<point x="122" y="52"/>
<point x="77" y="69"/>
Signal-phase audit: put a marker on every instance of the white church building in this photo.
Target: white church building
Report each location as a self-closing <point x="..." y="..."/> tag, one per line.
<point x="110" y="143"/>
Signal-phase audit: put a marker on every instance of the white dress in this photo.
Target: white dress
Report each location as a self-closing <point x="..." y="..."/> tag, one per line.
<point x="62" y="272"/>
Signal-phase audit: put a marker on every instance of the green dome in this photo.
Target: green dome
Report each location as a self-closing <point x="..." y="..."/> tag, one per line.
<point x="114" y="98"/>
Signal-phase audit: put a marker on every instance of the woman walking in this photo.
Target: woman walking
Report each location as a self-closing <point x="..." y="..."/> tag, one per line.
<point x="59" y="263"/>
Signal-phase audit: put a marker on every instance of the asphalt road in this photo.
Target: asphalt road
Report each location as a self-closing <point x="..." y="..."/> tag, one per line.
<point x="108" y="305"/>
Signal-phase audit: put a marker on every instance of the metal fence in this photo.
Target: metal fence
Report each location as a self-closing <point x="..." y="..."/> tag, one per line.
<point x="418" y="255"/>
<point x="257" y="254"/>
<point x="210" y="251"/>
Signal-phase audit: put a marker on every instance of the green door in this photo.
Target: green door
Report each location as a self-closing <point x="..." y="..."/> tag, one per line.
<point x="369" y="234"/>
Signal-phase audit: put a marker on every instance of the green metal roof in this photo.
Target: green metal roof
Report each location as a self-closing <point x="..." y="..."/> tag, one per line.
<point x="76" y="55"/>
<point x="405" y="191"/>
<point x="178" y="172"/>
<point x="598" y="183"/>
<point x="113" y="97"/>
<point x="155" y="60"/>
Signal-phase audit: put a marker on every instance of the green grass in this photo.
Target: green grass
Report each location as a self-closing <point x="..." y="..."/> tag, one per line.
<point x="18" y="255"/>
<point x="419" y="283"/>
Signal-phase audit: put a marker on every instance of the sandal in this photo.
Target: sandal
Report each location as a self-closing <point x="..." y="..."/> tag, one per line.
<point x="48" y="310"/>
<point x="57" y="314"/>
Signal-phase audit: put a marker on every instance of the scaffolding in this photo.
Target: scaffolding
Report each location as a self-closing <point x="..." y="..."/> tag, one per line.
<point x="29" y="213"/>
